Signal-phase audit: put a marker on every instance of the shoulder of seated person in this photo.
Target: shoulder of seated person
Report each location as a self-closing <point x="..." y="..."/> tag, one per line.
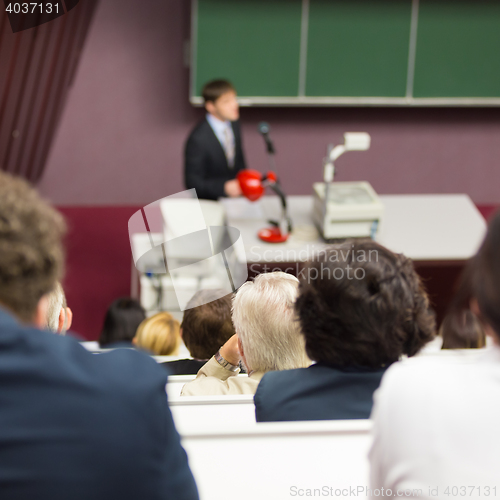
<point x="415" y="377"/>
<point x="128" y="357"/>
<point x="129" y="368"/>
<point x="430" y="363"/>
<point x="282" y="376"/>
<point x="206" y="386"/>
<point x="179" y="361"/>
<point x="121" y="368"/>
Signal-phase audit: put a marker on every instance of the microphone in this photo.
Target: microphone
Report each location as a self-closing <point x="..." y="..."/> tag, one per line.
<point x="264" y="130"/>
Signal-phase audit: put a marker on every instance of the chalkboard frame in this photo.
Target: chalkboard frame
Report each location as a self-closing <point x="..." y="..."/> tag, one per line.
<point x="325" y="101"/>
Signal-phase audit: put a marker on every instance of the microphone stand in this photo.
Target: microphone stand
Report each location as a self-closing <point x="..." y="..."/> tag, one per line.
<point x="272" y="161"/>
<point x="285" y="219"/>
<point x="264" y="131"/>
<point x="285" y="222"/>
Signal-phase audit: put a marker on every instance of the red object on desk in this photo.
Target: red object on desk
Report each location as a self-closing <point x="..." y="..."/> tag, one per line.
<point x="272" y="235"/>
<point x="253" y="184"/>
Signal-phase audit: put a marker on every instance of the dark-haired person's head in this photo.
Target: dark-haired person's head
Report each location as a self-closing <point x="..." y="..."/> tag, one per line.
<point x="121" y="322"/>
<point x="461" y="328"/>
<point x="484" y="273"/>
<point x="207" y="323"/>
<point x="362" y="305"/>
<point x="220" y="100"/>
<point x="31" y="251"/>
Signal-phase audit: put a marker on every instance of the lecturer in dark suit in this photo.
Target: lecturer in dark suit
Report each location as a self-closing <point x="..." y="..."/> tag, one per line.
<point x="360" y="307"/>
<point x="73" y="425"/>
<point x="213" y="152"/>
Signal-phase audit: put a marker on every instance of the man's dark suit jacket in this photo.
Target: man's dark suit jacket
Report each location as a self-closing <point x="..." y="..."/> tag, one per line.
<point x="82" y="426"/>
<point x="205" y="167"/>
<point x="320" y="392"/>
<point x="184" y="366"/>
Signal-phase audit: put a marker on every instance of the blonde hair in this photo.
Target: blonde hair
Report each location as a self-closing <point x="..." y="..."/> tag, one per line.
<point x="159" y="334"/>
<point x="266" y="324"/>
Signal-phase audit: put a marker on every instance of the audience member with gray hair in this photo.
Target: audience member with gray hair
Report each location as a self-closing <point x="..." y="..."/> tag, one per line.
<point x="267" y="338"/>
<point x="59" y="315"/>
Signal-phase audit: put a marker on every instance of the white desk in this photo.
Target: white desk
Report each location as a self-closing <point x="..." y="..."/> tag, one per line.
<point x="279" y="460"/>
<point x="209" y="413"/>
<point x="445" y="227"/>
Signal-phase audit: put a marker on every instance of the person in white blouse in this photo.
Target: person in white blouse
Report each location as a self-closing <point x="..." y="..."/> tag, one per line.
<point x="436" y="420"/>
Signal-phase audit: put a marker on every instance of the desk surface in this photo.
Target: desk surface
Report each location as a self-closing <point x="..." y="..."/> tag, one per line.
<point x="424" y="227"/>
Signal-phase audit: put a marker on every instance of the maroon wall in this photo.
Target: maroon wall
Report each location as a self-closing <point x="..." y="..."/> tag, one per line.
<point x="123" y="129"/>
<point x="99" y="265"/>
<point x="121" y="138"/>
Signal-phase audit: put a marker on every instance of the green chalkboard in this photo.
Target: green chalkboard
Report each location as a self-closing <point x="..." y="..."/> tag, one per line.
<point x="358" y="48"/>
<point x="255" y="44"/>
<point x="458" y="49"/>
<point x="349" y="52"/>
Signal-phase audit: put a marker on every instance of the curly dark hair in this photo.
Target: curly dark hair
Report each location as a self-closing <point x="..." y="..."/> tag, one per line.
<point x="31" y="252"/>
<point x="360" y="304"/>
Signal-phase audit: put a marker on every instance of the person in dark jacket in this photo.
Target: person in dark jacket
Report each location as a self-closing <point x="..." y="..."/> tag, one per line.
<point x="213" y="152"/>
<point x="360" y="308"/>
<point x="206" y="326"/>
<point x="72" y="424"/>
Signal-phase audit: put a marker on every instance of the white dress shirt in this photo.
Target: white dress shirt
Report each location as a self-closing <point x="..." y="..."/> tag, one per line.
<point x="221" y="128"/>
<point x="437" y="425"/>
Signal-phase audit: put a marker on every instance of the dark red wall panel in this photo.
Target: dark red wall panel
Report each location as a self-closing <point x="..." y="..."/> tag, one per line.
<point x="99" y="264"/>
